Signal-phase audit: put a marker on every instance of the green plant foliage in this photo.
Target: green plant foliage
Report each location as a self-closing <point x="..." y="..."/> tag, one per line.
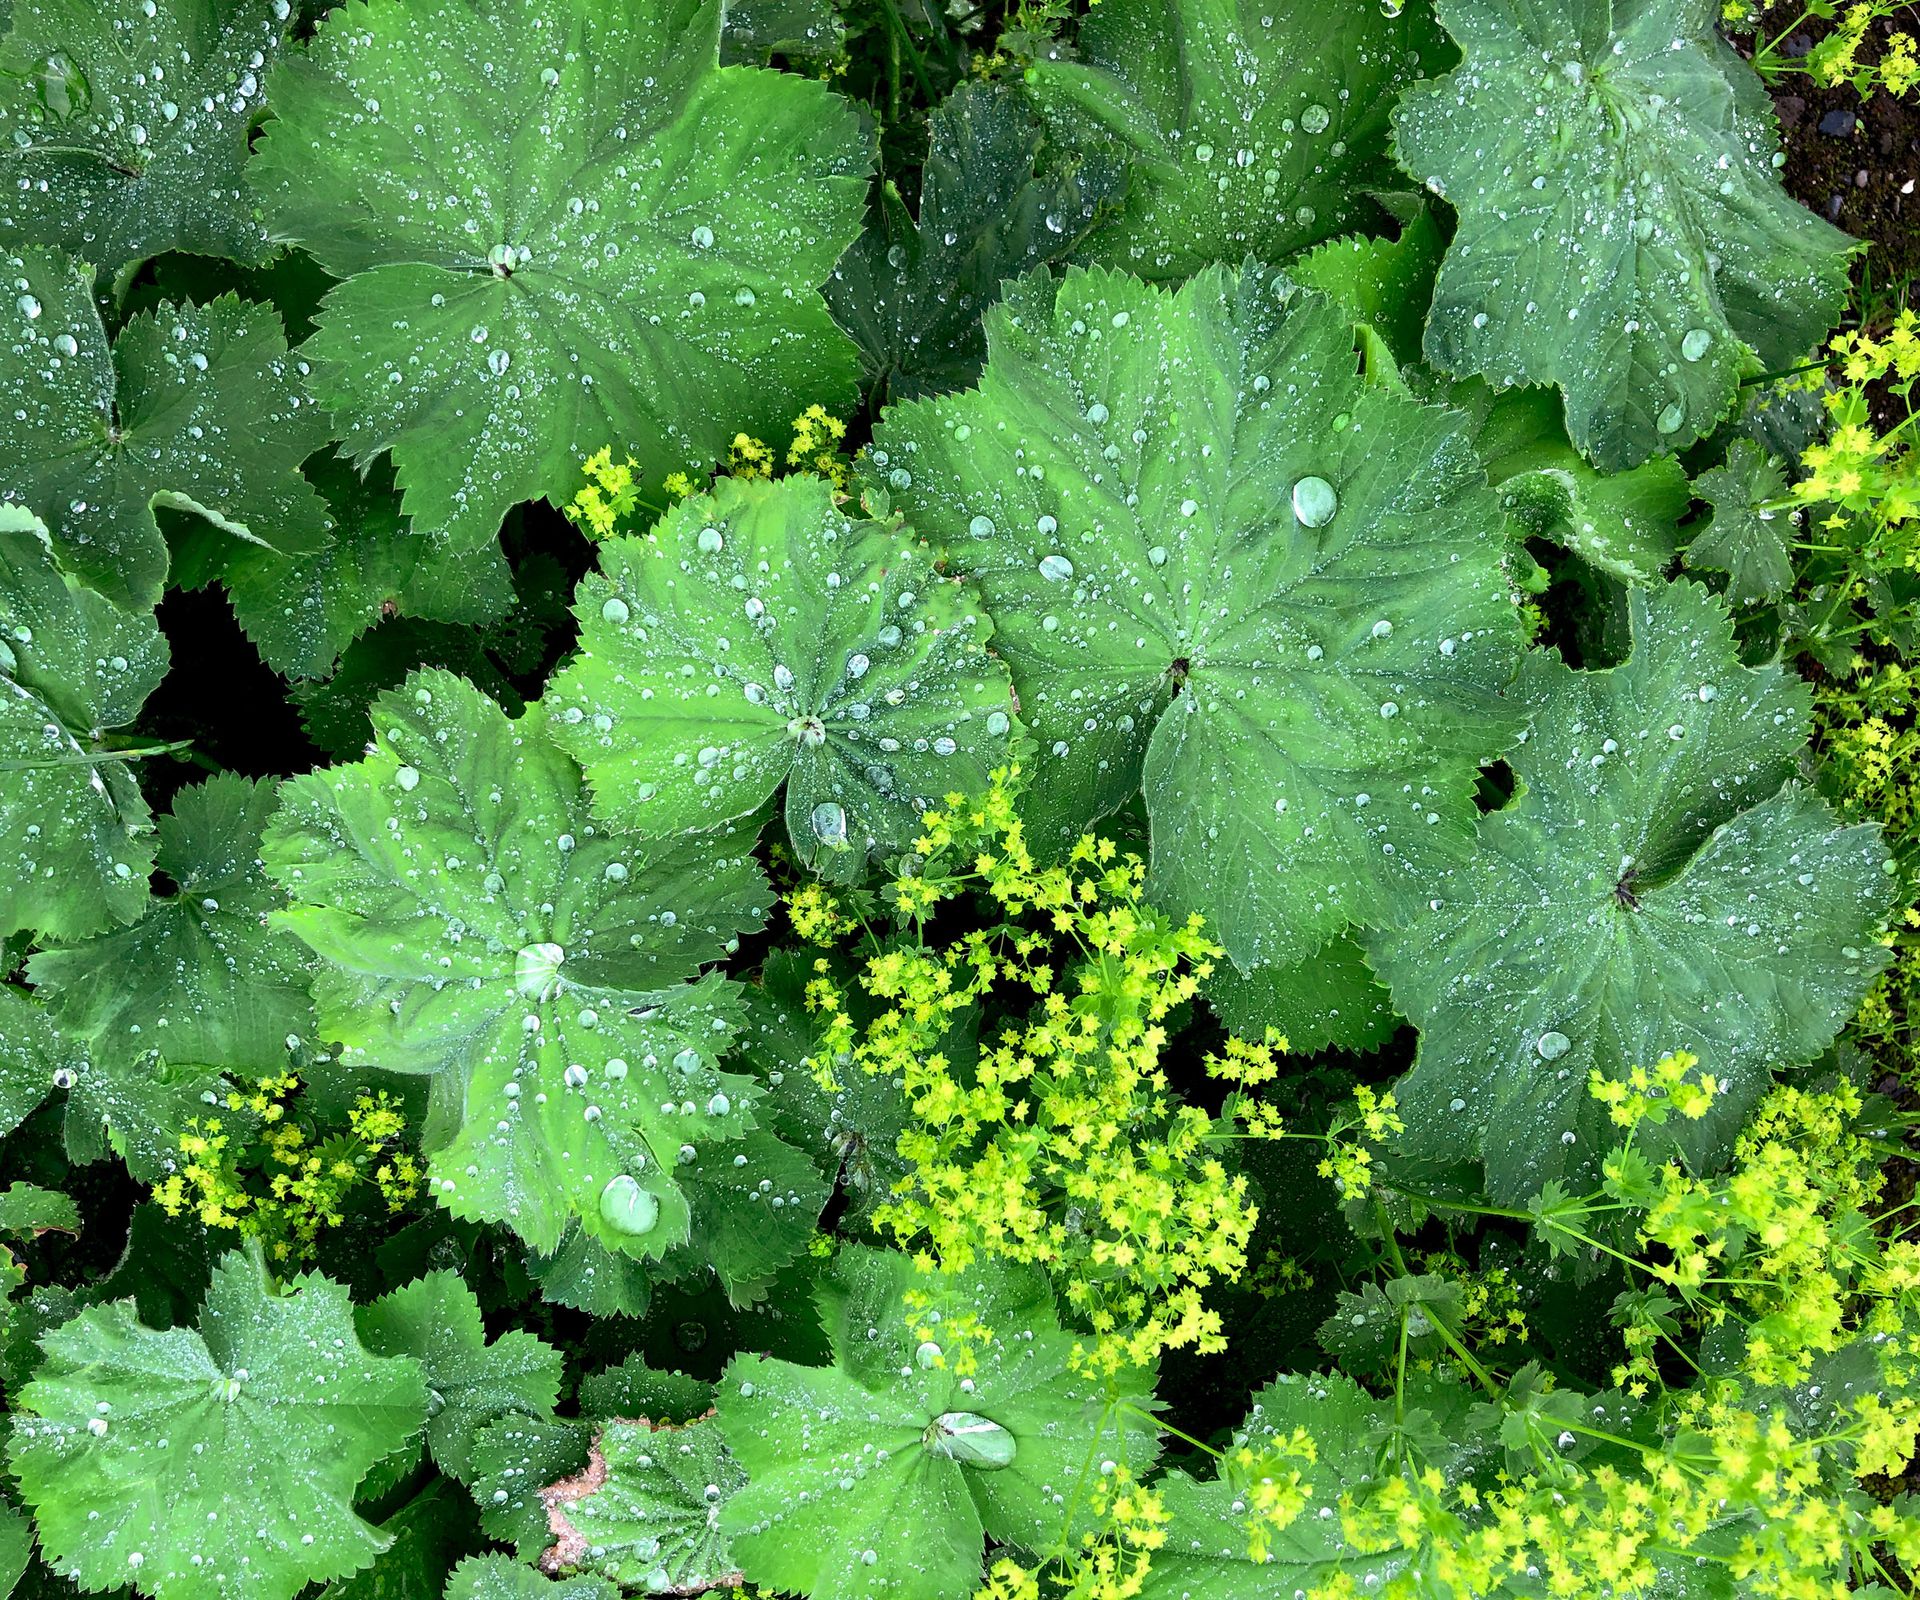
<point x="76" y="832"/>
<point x="647" y="1511"/>
<point x="175" y="1459"/>
<point x="955" y="800"/>
<point x="977" y="1440"/>
<point x="195" y="409"/>
<point x="1615" y="162"/>
<point x="760" y="636"/>
<point x="199" y="987"/>
<point x="127" y="127"/>
<point x="569" y="1064"/>
<point x="996" y="198"/>
<point x="1255" y="129"/>
<point x="436" y="1320"/>
<point x="1658" y="885"/>
<point x="1130" y="449"/>
<point x="474" y="170"/>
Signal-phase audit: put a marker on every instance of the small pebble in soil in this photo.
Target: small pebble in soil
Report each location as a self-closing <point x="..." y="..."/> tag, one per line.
<point x="1860" y="179"/>
<point x="1833" y="207"/>
<point x="1837" y="123"/>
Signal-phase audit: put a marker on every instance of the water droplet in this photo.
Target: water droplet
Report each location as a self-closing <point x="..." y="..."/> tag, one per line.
<point x="407" y="778"/>
<point x="1695" y="344"/>
<point x="1671" y="416"/>
<point x="1314" y="502"/>
<point x="981" y="527"/>
<point x="970" y="1439"/>
<point x="535" y="967"/>
<point x="1315" y="119"/>
<point x="710" y="541"/>
<point x="829" y="822"/>
<point x="627" y="1208"/>
<point x="1552" y="1046"/>
<point x="614" y="610"/>
<point x="1056" y="568"/>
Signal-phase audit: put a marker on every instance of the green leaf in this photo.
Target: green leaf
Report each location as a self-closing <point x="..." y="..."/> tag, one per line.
<point x="634" y="1389"/>
<point x="497" y="1578"/>
<point x="646" y="1512"/>
<point x="1652" y="888"/>
<point x="436" y="1320"/>
<point x="197" y="409"/>
<point x="429" y="1534"/>
<point x="1623" y="233"/>
<point x="1303" y="694"/>
<point x="631" y="255"/>
<point x="584" y="1275"/>
<point x="755" y="1204"/>
<point x="16" y="1546"/>
<point x="474" y="923"/>
<point x="882" y="1473"/>
<point x="125" y="125"/>
<point x="1255" y="129"/>
<point x="1383" y="284"/>
<point x="73" y="666"/>
<point x="513" y="1460"/>
<point x="802" y="30"/>
<point x="1745" y="537"/>
<point x="1623" y="523"/>
<point x="26" y="1208"/>
<point x="1329" y="1001"/>
<point x="995" y="199"/>
<point x="759" y="636"/>
<point x="1206" y="1556"/>
<point x="181" y="1462"/>
<point x="334" y="713"/>
<point x="200" y="985"/>
<point x="302" y="611"/>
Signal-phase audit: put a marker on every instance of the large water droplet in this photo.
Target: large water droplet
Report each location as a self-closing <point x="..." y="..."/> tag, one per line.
<point x="1314" y="502"/>
<point x="1695" y="344"/>
<point x="972" y="1440"/>
<point x="1055" y="569"/>
<point x="627" y="1208"/>
<point x="535" y="966"/>
<point x="1315" y="119"/>
<point x="1552" y="1046"/>
<point x="829" y="821"/>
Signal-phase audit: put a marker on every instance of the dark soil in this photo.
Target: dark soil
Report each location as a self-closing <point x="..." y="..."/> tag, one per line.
<point x="1856" y="165"/>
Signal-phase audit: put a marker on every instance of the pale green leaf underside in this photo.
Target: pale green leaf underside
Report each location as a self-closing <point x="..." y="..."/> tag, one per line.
<point x="1651" y="888"/>
<point x="1623" y="233"/>
<point x="74" y="831"/>
<point x="824" y="1514"/>
<point x="1304" y="704"/>
<point x="1256" y="126"/>
<point x="229" y="1457"/>
<point x="476" y="924"/>
<point x="653" y="1523"/>
<point x="759" y="636"/>
<point x="436" y="1320"/>
<point x="124" y="125"/>
<point x="563" y="225"/>
<point x="196" y="408"/>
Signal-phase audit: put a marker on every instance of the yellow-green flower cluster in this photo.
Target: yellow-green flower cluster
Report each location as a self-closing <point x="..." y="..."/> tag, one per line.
<point x="1059" y="1142"/>
<point x="1862" y="470"/>
<point x="609" y="494"/>
<point x="285" y="1182"/>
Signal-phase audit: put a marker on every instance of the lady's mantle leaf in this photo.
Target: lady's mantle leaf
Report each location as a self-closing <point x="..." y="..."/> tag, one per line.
<point x="881" y="1474"/>
<point x="476" y="924"/>
<point x="1224" y="567"/>
<point x="758" y="636"/>
<point x="199" y="986"/>
<point x="436" y="1320"/>
<point x="1206" y="1554"/>
<point x="646" y="1512"/>
<point x="995" y="199"/>
<point x="1652" y="888"/>
<point x="1622" y="234"/>
<point x="195" y="408"/>
<point x="222" y="1461"/>
<point x="1256" y="127"/>
<point x="569" y="226"/>
<point x="35" y="1056"/>
<point x="1745" y="537"/>
<point x="75" y="833"/>
<point x="499" y="1578"/>
<point x="125" y="125"/>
